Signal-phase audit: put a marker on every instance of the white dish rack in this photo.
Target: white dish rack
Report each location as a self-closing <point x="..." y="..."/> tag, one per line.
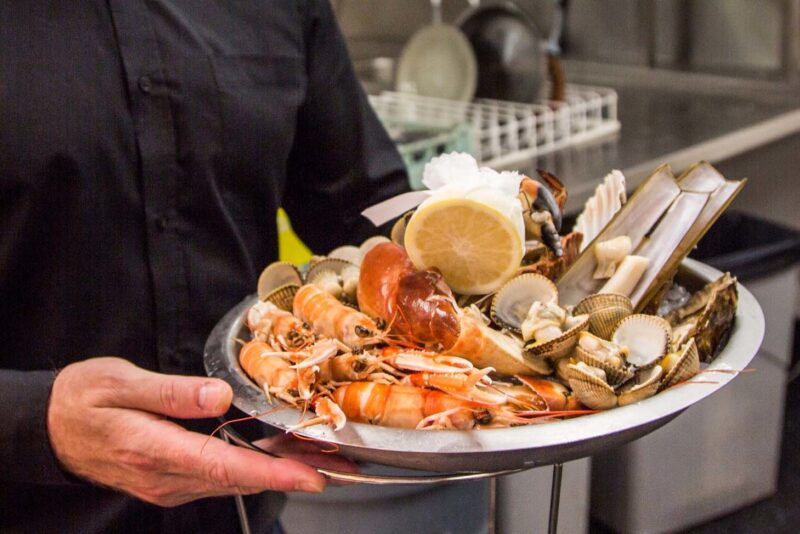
<point x="506" y="133"/>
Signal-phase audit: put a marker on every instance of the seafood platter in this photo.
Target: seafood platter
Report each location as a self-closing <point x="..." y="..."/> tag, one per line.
<point x="482" y="336"/>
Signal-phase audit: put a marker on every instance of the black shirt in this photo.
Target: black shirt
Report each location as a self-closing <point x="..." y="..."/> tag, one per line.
<point x="144" y="149"/>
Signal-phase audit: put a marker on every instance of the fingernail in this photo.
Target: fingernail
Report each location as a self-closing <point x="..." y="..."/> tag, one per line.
<point x="209" y="396"/>
<point x="311" y="487"/>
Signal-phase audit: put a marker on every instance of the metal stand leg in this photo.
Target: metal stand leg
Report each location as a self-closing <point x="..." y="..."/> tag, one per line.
<point x="240" y="508"/>
<point x="555" y="496"/>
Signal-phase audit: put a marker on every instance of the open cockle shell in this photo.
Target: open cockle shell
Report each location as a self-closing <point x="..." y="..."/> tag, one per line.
<point x="562" y="345"/>
<point x="398" y="233"/>
<point x="348" y="253"/>
<point x="597" y="352"/>
<point x="275" y="275"/>
<point x="605" y="311"/>
<point x="589" y="385"/>
<point x="512" y="301"/>
<point x="680" y="366"/>
<point x="282" y="297"/>
<point x="643" y="385"/>
<point x="333" y="265"/>
<point x="645" y="339"/>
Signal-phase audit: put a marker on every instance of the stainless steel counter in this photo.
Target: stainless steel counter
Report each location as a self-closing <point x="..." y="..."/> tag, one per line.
<point x="679" y="128"/>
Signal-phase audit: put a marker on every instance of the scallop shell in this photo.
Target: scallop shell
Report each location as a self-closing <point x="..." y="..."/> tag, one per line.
<point x="605" y="311"/>
<point x="275" y="275"/>
<point x="686" y="367"/>
<point x="643" y="386"/>
<point x="512" y="301"/>
<point x="645" y="338"/>
<point x="348" y="253"/>
<point x="591" y="390"/>
<point x="283" y="296"/>
<point x="562" y="345"/>
<point x="616" y="372"/>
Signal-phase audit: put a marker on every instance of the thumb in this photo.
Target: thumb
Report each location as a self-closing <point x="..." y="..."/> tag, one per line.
<point x="183" y="397"/>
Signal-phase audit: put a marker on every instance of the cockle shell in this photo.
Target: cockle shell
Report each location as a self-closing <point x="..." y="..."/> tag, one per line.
<point x="512" y="301"/>
<point x="348" y="253"/>
<point x="681" y="365"/>
<point x="398" y="233"/>
<point x="563" y="344"/>
<point x="589" y="385"/>
<point x="605" y="311"/>
<point x="644" y="337"/>
<point x="275" y="275"/>
<point x="597" y="352"/>
<point x="643" y="385"/>
<point x="368" y="243"/>
<point x="282" y="296"/>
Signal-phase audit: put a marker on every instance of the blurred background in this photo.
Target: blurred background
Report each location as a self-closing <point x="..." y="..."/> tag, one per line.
<point x="611" y="84"/>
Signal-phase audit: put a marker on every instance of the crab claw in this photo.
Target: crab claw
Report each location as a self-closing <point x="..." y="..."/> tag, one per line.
<point x="542" y="211"/>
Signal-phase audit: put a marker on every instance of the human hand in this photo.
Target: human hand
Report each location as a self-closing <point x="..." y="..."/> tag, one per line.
<point x="106" y="424"/>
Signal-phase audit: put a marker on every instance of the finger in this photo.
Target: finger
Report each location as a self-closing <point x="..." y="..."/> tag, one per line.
<point x="225" y="467"/>
<point x="307" y="452"/>
<point x="183" y="397"/>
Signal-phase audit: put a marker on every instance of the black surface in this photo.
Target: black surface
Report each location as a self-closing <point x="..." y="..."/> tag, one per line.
<point x="748" y="247"/>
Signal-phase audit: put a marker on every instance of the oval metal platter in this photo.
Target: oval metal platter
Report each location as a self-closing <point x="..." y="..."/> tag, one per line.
<point x="513" y="448"/>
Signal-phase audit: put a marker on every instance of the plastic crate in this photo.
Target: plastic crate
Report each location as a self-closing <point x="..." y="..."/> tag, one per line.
<point x="418" y="143"/>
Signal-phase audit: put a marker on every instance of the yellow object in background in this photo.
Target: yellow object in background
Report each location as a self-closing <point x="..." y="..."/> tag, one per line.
<point x="290" y="247"/>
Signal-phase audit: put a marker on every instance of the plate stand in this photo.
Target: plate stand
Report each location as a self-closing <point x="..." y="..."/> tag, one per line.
<point x="231" y="436"/>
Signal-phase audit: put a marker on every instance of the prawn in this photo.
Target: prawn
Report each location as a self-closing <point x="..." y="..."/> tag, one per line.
<point x="278" y="327"/>
<point x="330" y="318"/>
<point x="405" y="406"/>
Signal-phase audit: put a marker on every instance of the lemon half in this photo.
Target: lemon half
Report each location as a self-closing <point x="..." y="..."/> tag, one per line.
<point x="475" y="246"/>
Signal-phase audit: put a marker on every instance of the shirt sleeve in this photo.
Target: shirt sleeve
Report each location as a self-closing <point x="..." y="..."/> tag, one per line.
<point x="25" y="452"/>
<point x="342" y="160"/>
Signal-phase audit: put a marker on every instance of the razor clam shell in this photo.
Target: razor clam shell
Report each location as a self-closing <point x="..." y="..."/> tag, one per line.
<point x="605" y="310"/>
<point x="592" y="391"/>
<point x="348" y="253"/>
<point x="283" y="296"/>
<point x="644" y="385"/>
<point x="275" y="275"/>
<point x="512" y="301"/>
<point x="685" y="368"/>
<point x="665" y="219"/>
<point x="615" y="375"/>
<point x="560" y="346"/>
<point x="636" y="332"/>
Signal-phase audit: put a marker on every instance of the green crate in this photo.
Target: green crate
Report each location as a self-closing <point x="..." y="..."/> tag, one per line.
<point x="418" y="144"/>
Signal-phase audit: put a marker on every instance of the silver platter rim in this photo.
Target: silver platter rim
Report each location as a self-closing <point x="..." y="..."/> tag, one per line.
<point x="488" y="450"/>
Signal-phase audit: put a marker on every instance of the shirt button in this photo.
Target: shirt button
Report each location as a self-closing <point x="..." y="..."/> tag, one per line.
<point x="161" y="224"/>
<point x="146" y="85"/>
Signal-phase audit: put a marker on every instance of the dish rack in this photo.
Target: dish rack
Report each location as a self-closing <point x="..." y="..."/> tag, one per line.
<point x="506" y="133"/>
